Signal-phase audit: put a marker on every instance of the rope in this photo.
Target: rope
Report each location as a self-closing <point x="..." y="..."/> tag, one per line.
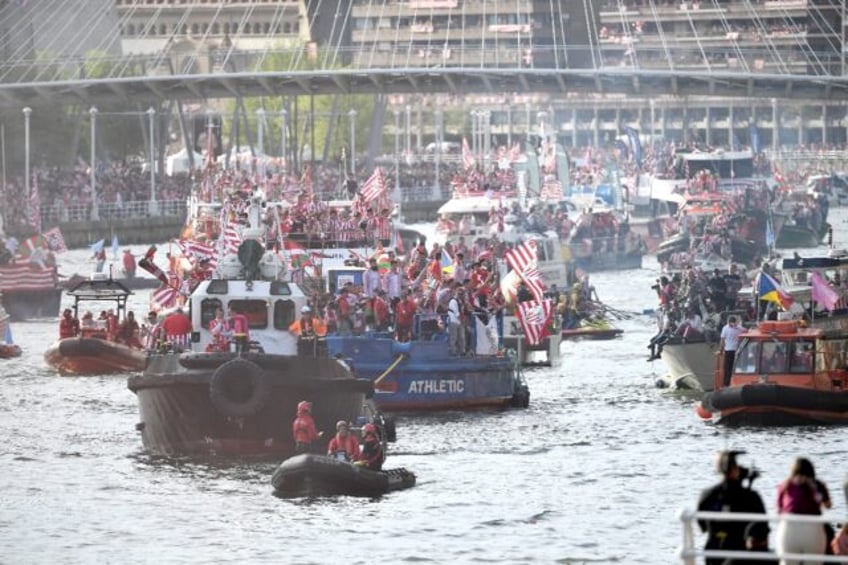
<point x="400" y="358"/>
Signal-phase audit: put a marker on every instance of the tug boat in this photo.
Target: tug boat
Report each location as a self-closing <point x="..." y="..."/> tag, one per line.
<point x="93" y="352"/>
<point x="784" y="374"/>
<point x="197" y="398"/>
<point x="309" y="475"/>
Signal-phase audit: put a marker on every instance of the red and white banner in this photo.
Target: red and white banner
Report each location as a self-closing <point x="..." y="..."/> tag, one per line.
<point x="374" y="187"/>
<point x="535" y="316"/>
<point x="162" y="298"/>
<point x="25" y="276"/>
<point x="54" y="240"/>
<point x="198" y="250"/>
<point x="523" y="260"/>
<point x="468" y="160"/>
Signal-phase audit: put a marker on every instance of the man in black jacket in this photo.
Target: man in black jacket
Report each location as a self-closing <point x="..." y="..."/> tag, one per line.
<point x="729" y="496"/>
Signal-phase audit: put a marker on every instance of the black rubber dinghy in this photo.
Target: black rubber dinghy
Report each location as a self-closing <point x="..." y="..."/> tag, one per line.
<point x="318" y="475"/>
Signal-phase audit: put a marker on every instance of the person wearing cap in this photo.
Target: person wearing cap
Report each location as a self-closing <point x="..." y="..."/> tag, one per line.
<point x="303" y="428"/>
<point x="308" y="325"/>
<point x="729" y="496"/>
<point x="343" y="446"/>
<point x="372" y="449"/>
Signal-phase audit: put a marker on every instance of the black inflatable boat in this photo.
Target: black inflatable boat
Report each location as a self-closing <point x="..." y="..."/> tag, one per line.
<point x="319" y="475"/>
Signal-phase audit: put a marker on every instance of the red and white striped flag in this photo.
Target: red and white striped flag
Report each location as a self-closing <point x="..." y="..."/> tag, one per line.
<point x="523" y="260"/>
<point x="468" y="160"/>
<point x="534" y="316"/>
<point x="198" y="250"/>
<point x="54" y="240"/>
<point x="374" y="187"/>
<point x="162" y="298"/>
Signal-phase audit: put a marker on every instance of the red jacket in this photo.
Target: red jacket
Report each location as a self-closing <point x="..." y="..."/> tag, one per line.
<point x="68" y="327"/>
<point x="303" y="429"/>
<point x="348" y="445"/>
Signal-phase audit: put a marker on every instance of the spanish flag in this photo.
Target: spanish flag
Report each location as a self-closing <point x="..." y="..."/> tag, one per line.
<point x="770" y="290"/>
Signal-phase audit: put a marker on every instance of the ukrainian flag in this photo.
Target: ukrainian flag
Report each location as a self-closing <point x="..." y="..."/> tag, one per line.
<point x="770" y="290"/>
<point x="447" y="263"/>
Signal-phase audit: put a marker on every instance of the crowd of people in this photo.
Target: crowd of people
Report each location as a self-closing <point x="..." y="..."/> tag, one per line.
<point x="343" y="446"/>
<point x="801" y="493"/>
<point x="155" y="333"/>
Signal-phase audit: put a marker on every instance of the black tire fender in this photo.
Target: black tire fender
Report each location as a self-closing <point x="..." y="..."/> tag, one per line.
<point x="239" y="388"/>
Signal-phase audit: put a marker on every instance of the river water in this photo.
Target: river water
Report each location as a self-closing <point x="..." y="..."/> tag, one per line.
<point x="595" y="471"/>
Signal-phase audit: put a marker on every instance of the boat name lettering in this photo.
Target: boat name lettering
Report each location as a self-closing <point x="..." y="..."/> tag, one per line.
<point x="436" y="386"/>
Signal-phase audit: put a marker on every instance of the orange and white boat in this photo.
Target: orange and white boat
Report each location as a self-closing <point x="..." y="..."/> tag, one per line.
<point x="783" y="374"/>
<point x="94" y="351"/>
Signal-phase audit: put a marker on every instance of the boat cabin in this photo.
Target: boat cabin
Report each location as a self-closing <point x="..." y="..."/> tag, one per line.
<point x="99" y="288"/>
<point x="785" y="353"/>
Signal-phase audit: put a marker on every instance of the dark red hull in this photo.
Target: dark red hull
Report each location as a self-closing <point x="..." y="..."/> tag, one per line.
<point x="179" y="416"/>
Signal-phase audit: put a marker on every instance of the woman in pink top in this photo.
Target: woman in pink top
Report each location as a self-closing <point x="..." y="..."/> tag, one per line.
<point x="800" y="494"/>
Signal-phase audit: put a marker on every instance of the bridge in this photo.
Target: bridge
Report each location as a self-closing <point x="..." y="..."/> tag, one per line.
<point x="787" y="49"/>
<point x="150" y="89"/>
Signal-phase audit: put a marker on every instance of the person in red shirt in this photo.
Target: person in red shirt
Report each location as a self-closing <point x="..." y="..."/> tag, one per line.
<point x="303" y="428"/>
<point x="381" y="311"/>
<point x="176" y="325"/>
<point x="129" y="264"/>
<point x="434" y="269"/>
<point x="68" y="326"/>
<point x="405" y="316"/>
<point x="343" y="446"/>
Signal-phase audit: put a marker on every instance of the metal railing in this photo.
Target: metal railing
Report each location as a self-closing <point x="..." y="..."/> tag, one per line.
<point x="689" y="552"/>
<point x="85" y="212"/>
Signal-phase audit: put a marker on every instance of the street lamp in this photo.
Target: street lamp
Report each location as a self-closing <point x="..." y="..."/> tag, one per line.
<point x="397" y="154"/>
<point x="408" y="129"/>
<point x="154" y="208"/>
<point x="487" y="134"/>
<point x="437" y="190"/>
<point x="283" y="134"/>
<point x="95" y="211"/>
<point x="27" y="111"/>
<point x="260" y="141"/>
<point x="542" y="117"/>
<point x="352" y="115"/>
<point x="653" y="120"/>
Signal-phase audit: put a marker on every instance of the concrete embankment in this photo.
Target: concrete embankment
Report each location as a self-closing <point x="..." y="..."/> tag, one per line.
<point x="163" y="228"/>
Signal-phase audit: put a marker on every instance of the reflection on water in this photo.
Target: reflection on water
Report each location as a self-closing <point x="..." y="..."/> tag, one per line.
<point x="595" y="470"/>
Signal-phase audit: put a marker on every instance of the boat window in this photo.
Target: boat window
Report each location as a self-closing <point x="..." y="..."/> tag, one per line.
<point x="284" y="313"/>
<point x="542" y="252"/>
<point x="218" y="286"/>
<point x="774" y="357"/>
<point x="208" y="307"/>
<point x="280" y="288"/>
<point x="746" y="358"/>
<point x="801" y="359"/>
<point x="255" y="310"/>
<point x="832" y="355"/>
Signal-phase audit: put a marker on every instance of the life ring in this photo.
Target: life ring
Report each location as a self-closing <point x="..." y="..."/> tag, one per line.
<point x="239" y="388"/>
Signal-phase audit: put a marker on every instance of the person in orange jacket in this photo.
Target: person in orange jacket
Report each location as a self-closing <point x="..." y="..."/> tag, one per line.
<point x="69" y="326"/>
<point x="308" y="325"/>
<point x="303" y="428"/>
<point x="343" y="446"/>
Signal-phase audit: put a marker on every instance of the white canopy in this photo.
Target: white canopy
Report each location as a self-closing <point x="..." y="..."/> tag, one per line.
<point x="179" y="162"/>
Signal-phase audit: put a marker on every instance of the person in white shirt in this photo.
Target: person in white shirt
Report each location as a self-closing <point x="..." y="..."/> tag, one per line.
<point x="393" y="281"/>
<point x="456" y="333"/>
<point x="692" y="326"/>
<point x="729" y="343"/>
<point x="371" y="279"/>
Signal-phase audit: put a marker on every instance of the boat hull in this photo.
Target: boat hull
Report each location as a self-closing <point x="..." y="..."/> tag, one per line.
<point x="777" y="405"/>
<point x="25" y="305"/>
<point x="792" y="236"/>
<point x="193" y="411"/>
<point x="92" y="356"/>
<point x="9" y="350"/>
<point x="317" y="475"/>
<point x="420" y="376"/>
<point x="691" y="364"/>
<point x="592" y="333"/>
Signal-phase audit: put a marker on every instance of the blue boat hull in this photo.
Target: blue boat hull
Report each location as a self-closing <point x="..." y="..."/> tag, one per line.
<point x="420" y="376"/>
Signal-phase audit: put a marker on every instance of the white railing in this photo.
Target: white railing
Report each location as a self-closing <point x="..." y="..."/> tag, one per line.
<point x="690" y="552"/>
<point x="84" y="212"/>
